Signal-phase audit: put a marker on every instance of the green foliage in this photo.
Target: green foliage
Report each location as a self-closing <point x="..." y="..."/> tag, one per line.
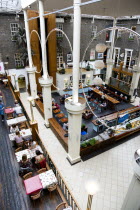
<point x="84" y="144"/>
<point x="20" y="38"/>
<point x="92" y="141"/>
<point x="128" y="126"/>
<point x="83" y="126"/>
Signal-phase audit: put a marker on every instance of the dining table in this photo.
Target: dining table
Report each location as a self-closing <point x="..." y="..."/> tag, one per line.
<point x="41" y="181"/>
<point x="32" y="185"/>
<point x="16" y="120"/>
<point x="26" y="134"/>
<point x="29" y="152"/>
<point x="107" y="97"/>
<point x="9" y="111"/>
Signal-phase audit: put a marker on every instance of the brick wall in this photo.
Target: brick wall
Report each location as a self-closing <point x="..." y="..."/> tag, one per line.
<point x="7" y="47"/>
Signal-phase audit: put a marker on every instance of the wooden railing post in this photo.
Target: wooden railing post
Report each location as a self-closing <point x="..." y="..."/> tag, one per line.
<point x="34" y="126"/>
<point x="17" y="94"/>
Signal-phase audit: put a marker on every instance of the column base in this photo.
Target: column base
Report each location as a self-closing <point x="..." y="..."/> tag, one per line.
<point x="47" y="125"/>
<point x="73" y="161"/>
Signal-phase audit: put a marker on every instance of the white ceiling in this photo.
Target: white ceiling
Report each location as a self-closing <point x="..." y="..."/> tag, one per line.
<point x="114" y="8"/>
<point x="10" y="6"/>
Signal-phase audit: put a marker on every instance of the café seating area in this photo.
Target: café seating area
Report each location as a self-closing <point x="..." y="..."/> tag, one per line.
<point x="37" y="180"/>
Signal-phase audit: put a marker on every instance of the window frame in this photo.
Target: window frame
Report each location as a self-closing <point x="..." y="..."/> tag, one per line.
<point x="13" y="32"/>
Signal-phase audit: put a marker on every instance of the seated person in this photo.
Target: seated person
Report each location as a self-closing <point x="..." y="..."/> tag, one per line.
<point x="40" y="96"/>
<point x="55" y="106"/>
<point x="14" y="129"/>
<point x="25" y="166"/>
<point x="104" y="104"/>
<point x="65" y="126"/>
<point x="18" y="110"/>
<point x="40" y="159"/>
<point x="19" y="139"/>
<point x="16" y="103"/>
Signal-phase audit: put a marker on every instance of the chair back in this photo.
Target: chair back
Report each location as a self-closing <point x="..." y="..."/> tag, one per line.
<point x="10" y="116"/>
<point x="52" y="188"/>
<point x="19" y="144"/>
<point x="61" y="206"/>
<point x="36" y="196"/>
<point x="41" y="170"/>
<point x="18" y="149"/>
<point x="28" y="175"/>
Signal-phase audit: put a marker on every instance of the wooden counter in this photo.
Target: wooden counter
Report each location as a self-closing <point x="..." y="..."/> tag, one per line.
<point x="113" y="116"/>
<point x="109" y="98"/>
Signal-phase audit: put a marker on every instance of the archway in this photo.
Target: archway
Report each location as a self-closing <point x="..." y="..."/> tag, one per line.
<point x="22" y="83"/>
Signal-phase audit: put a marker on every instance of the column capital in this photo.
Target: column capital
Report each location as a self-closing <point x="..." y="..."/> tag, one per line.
<point x="46" y="82"/>
<point x="30" y="70"/>
<point x="75" y="108"/>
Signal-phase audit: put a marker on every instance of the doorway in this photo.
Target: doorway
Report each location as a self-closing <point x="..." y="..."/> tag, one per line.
<point x="22" y="83"/>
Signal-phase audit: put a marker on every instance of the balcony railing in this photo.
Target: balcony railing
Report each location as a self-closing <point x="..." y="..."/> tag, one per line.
<point x="119" y="84"/>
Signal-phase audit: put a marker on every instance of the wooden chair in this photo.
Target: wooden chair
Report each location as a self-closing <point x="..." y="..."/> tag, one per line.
<point x="36" y="196"/>
<point x="28" y="175"/>
<point x="18" y="149"/>
<point x="22" y="126"/>
<point x="41" y="170"/>
<point x="52" y="188"/>
<point x="19" y="144"/>
<point x="10" y="116"/>
<point x="20" y="115"/>
<point x="61" y="206"/>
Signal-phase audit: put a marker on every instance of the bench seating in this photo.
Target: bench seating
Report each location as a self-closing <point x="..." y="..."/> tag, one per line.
<point x="39" y="106"/>
<point x="59" y="132"/>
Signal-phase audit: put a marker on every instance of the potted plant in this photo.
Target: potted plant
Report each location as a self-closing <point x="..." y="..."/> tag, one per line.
<point x="92" y="141"/>
<point x="128" y="126"/>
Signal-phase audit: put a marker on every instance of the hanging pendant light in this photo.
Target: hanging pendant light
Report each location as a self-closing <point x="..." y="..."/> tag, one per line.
<point x="101" y="48"/>
<point x="97" y="81"/>
<point x="99" y="64"/>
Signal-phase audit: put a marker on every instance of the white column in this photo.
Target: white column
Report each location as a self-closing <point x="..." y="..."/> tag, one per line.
<point x="28" y="38"/>
<point x="47" y="102"/>
<point x="76" y="48"/>
<point x="45" y="81"/>
<point x="132" y="199"/>
<point x="135" y="81"/>
<point x="32" y="80"/>
<point x="74" y="130"/>
<point x="75" y="105"/>
<point x="43" y="39"/>
<point x="110" y="60"/>
<point x="30" y="70"/>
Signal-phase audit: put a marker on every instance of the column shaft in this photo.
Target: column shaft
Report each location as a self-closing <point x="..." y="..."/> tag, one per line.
<point x="110" y="60"/>
<point x="43" y="39"/>
<point x="28" y="38"/>
<point x="76" y="48"/>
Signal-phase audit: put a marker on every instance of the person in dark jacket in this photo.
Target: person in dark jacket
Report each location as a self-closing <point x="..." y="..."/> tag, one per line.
<point x="2" y="111"/>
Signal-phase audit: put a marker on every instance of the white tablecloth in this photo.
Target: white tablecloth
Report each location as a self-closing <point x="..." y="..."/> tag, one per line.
<point x="28" y="152"/>
<point x="26" y="133"/>
<point x="18" y="109"/>
<point x="16" y="120"/>
<point x="48" y="179"/>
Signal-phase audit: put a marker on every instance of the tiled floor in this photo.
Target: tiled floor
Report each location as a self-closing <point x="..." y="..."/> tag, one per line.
<point x="111" y="169"/>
